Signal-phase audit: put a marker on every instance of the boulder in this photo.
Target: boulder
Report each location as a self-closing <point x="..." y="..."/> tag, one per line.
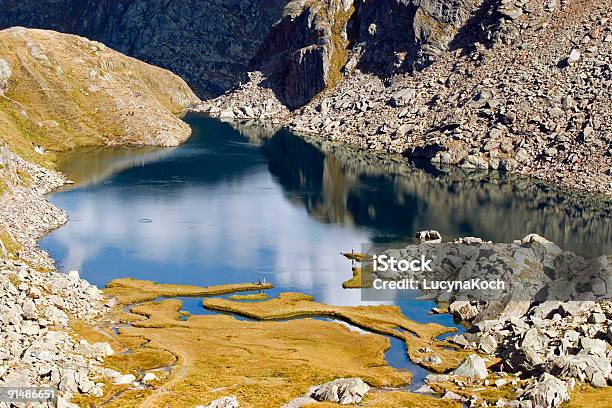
<point x="472" y="367"/>
<point x="402" y="97"/>
<point x="343" y="391"/>
<point x="463" y="310"/>
<point x="148" y="377"/>
<point x="547" y="392"/>
<point x="124" y="379"/>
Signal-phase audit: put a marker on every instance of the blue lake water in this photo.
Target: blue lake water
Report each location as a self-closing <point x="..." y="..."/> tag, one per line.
<point x="240" y="203"/>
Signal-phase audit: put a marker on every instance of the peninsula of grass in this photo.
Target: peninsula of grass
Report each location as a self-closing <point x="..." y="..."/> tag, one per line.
<point x="129" y="291"/>
<point x="359" y="280"/>
<point x="421" y="339"/>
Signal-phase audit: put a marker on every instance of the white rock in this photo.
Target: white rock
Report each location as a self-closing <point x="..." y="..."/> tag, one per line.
<point x="343" y="391"/>
<point x="124" y="379"/>
<point x="574" y="56"/>
<point x="472" y="367"/>
<point x="149" y="377"/>
<point x="5" y="75"/>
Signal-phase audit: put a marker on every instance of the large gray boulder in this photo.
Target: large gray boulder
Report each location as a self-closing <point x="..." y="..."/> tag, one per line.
<point x="342" y="391"/>
<point x="463" y="310"/>
<point x="472" y="367"/>
<point x="547" y="392"/>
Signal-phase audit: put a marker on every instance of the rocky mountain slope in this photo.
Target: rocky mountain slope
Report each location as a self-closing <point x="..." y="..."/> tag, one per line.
<point x="60" y="91"/>
<point x="208" y="43"/>
<point x="510" y="85"/>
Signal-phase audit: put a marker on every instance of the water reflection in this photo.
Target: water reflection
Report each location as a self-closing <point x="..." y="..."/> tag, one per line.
<point x="239" y="201"/>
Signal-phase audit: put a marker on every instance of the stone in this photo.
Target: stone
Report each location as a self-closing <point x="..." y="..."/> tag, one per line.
<point x="487" y="344"/>
<point x="124" y="379"/>
<point x="432" y="359"/>
<point x="574" y="56"/>
<point x="424" y="389"/>
<point x="463" y="309"/>
<point x="596" y="318"/>
<point x="451" y="396"/>
<point x="110" y="373"/>
<point x="472" y="367"/>
<point x="500" y="382"/>
<point x="598" y="380"/>
<point x="225" y="402"/>
<point x="547" y="392"/>
<point x="148" y="377"/>
<point x="402" y="97"/>
<point x="103" y="349"/>
<point x="592" y="346"/>
<point x="343" y="391"/>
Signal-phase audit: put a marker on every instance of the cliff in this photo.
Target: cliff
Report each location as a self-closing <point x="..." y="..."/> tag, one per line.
<point x="514" y="86"/>
<point x="59" y="92"/>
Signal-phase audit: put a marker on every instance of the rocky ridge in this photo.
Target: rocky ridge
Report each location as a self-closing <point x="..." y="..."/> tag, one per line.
<point x="36" y="301"/>
<point x="529" y="93"/>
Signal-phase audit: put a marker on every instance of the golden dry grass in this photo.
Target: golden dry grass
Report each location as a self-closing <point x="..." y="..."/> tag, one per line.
<point x="9" y="243"/>
<point x="388" y="320"/>
<point x="359" y="279"/>
<point x="264" y="364"/>
<point x="250" y="296"/>
<point x="128" y="290"/>
<point x="588" y="396"/>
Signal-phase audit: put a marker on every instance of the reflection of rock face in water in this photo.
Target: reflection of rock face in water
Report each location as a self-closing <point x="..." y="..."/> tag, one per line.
<point x="339" y="185"/>
<point x="256" y="132"/>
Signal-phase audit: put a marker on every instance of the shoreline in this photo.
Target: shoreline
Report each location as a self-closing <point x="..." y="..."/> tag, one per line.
<point x="600" y="188"/>
<point x="91" y="305"/>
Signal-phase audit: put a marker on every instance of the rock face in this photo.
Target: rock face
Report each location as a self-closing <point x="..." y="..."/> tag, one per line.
<point x="315" y="43"/>
<point x="5" y="75"/>
<point x="547" y="392"/>
<point x="208" y="43"/>
<point x="69" y="92"/>
<point x="342" y="391"/>
<point x="477" y="106"/>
